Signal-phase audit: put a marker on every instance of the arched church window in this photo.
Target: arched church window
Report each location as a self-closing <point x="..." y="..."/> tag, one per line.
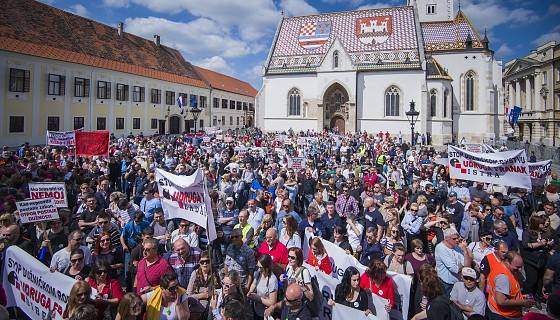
<point x="445" y="101"/>
<point x="294" y="102"/>
<point x="335" y="59"/>
<point x="470" y="90"/>
<point x="392" y="100"/>
<point x="433" y="100"/>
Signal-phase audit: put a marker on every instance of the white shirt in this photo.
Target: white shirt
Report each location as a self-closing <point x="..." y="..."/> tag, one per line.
<point x="61" y="259"/>
<point x="190" y="237"/>
<point x="353" y="238"/>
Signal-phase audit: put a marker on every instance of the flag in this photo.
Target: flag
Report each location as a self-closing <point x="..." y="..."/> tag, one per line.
<point x="94" y="143"/>
<point x="515" y="113"/>
<point x="181" y="102"/>
<point x="194" y="102"/>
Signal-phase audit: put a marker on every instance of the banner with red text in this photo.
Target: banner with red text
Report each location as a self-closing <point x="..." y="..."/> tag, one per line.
<point x="31" y="211"/>
<point x="186" y="197"/>
<point x="31" y="286"/>
<point x="540" y="171"/>
<point x="506" y="168"/>
<point x="95" y="143"/>
<point x="58" y="138"/>
<point x="54" y="190"/>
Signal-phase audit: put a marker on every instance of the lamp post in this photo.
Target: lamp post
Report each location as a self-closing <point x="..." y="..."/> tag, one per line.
<point x="412" y="116"/>
<point x="195" y="113"/>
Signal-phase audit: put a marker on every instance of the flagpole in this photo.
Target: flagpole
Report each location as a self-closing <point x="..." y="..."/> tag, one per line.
<point x="209" y="247"/>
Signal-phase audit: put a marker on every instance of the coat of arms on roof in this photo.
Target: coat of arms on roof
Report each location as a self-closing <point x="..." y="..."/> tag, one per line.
<point x="374" y="30"/>
<point x="314" y="34"/>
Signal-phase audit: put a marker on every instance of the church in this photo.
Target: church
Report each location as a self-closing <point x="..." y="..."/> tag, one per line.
<point x="362" y="70"/>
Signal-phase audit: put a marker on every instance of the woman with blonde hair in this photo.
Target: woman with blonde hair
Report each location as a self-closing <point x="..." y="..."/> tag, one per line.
<point x="231" y="290"/>
<point x="267" y="223"/>
<point x="130" y="307"/>
<point x="289" y="235"/>
<point x="79" y="294"/>
<point x="318" y="256"/>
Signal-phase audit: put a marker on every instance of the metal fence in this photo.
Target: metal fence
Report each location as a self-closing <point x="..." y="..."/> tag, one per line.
<point x="541" y="152"/>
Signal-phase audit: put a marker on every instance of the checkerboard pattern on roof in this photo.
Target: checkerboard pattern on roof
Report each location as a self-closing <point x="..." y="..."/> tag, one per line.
<point x="401" y="44"/>
<point x="308" y="28"/>
<point x="448" y="35"/>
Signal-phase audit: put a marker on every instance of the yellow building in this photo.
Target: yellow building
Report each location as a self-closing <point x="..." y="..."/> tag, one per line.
<point x="63" y="72"/>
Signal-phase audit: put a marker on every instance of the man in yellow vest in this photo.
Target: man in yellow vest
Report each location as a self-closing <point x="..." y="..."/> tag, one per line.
<point x="246" y="229"/>
<point x="505" y="300"/>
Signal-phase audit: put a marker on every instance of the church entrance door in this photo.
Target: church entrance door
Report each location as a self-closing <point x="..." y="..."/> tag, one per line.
<point x="337" y="124"/>
<point x="335" y="108"/>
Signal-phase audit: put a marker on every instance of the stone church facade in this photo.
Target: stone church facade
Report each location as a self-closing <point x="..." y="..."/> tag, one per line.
<point x="359" y="70"/>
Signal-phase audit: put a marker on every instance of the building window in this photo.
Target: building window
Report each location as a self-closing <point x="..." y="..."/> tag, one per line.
<point x="215" y="121"/>
<point x="238" y="103"/>
<point x="231" y="120"/>
<point x="251" y="107"/>
<point x="169" y="98"/>
<point x="335" y="59"/>
<point x="243" y="120"/>
<point x="19" y="80"/>
<point x="138" y="94"/>
<point x="78" y="123"/>
<point x="202" y="101"/>
<point x="470" y="90"/>
<point x="17" y="124"/>
<point x="223" y="120"/>
<point x="201" y="124"/>
<point x="224" y="103"/>
<point x="122" y="92"/>
<point x="119" y="123"/>
<point x="232" y="104"/>
<point x="237" y="121"/>
<point x="53" y="123"/>
<point x="153" y="124"/>
<point x="56" y="85"/>
<point x="544" y="77"/>
<point x="245" y="106"/>
<point x="294" y="102"/>
<point x="215" y="102"/>
<point x="194" y="101"/>
<point x="544" y="100"/>
<point x="81" y="87"/>
<point x="392" y="102"/>
<point x="431" y="9"/>
<point x="103" y="90"/>
<point x="101" y="123"/>
<point x="445" y="99"/>
<point x="156" y="96"/>
<point x="135" y="123"/>
<point x="433" y="100"/>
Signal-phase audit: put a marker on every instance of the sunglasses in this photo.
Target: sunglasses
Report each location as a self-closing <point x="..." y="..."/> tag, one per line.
<point x="204" y="262"/>
<point x="100" y="272"/>
<point x="226" y="285"/>
<point x="173" y="289"/>
<point x="103" y="222"/>
<point x="292" y="257"/>
<point x="76" y="260"/>
<point x="78" y="239"/>
<point x="469" y="279"/>
<point x="183" y="225"/>
<point x="105" y="240"/>
<point x="411" y="210"/>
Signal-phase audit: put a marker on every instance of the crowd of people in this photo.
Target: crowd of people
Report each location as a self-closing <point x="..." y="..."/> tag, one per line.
<point x="473" y="250"/>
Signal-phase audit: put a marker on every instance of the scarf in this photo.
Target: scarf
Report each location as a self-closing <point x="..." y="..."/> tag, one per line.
<point x="154" y="303"/>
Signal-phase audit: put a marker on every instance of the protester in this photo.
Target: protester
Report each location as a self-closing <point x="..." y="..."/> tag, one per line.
<point x="318" y="256"/>
<point x="150" y="269"/>
<point x="167" y="300"/>
<point x="467" y="296"/>
<point x="264" y="287"/>
<point x="109" y="291"/>
<point x="80" y="294"/>
<point x="130" y="307"/>
<point x="349" y="292"/>
<point x="77" y="269"/>
<point x="203" y="280"/>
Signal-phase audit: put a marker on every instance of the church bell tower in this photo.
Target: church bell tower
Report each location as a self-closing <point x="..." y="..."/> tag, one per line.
<point x="433" y="10"/>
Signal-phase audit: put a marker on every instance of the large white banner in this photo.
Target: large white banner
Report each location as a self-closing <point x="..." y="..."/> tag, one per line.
<point x="186" y="197"/>
<point x="31" y="211"/>
<point x="340" y="261"/>
<point x="54" y="190"/>
<point x="507" y="168"/>
<point x="58" y="138"/>
<point x="31" y="286"/>
<point x="540" y="171"/>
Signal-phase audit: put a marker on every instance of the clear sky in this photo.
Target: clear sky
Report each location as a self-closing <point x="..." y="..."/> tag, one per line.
<point x="234" y="36"/>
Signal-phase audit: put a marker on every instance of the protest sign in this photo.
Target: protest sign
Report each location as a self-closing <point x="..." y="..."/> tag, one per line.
<point x="340" y="261"/>
<point x="296" y="163"/>
<point x="57" y="138"/>
<point x="228" y="139"/>
<point x="31" y="286"/>
<point x="219" y="137"/>
<point x="94" y="143"/>
<point x="186" y="197"/>
<point x="540" y="171"/>
<point x="206" y="139"/>
<point x="507" y="168"/>
<point x="54" y="190"/>
<point x="37" y="210"/>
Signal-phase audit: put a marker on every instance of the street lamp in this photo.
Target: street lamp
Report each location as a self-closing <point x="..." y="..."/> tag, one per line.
<point x="412" y="116"/>
<point x="195" y="113"/>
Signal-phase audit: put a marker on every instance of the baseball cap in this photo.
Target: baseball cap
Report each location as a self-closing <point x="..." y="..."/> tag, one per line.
<point x="452" y="194"/>
<point x="229" y="199"/>
<point x="469" y="272"/>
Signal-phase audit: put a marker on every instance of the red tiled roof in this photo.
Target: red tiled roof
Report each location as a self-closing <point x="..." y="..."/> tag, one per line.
<point x="226" y="83"/>
<point x="33" y="28"/>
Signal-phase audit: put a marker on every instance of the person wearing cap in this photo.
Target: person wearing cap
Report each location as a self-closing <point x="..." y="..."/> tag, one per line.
<point x="240" y="257"/>
<point x="467" y="296"/>
<point x="228" y="217"/>
<point x="455" y="208"/>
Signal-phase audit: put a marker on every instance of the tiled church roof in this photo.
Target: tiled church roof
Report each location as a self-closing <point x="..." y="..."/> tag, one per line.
<point x="434" y="70"/>
<point x="450" y="35"/>
<point x="374" y="39"/>
<point x="33" y="28"/>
